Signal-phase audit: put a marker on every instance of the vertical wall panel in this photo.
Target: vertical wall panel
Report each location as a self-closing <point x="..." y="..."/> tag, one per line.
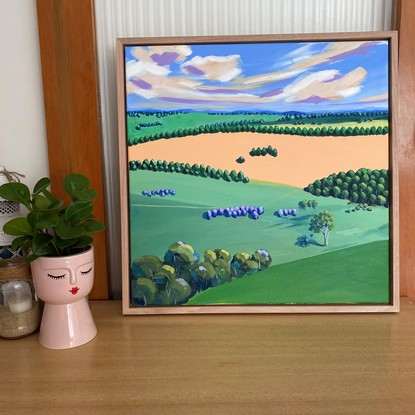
<point x="67" y="51"/>
<point x="137" y="18"/>
<point x="406" y="150"/>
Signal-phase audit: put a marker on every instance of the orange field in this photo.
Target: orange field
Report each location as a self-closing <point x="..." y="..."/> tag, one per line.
<point x="300" y="160"/>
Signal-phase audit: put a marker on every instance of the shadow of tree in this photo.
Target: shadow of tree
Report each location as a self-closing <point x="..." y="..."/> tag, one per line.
<point x="304" y="241"/>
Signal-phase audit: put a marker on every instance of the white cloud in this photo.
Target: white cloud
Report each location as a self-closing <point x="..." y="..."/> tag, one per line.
<point x="349" y="92"/>
<point x="327" y="85"/>
<point x="135" y="69"/>
<point x="374" y="98"/>
<point x="143" y="53"/>
<point x="333" y="51"/>
<point x="259" y="80"/>
<point x="214" y="68"/>
<point x="317" y="77"/>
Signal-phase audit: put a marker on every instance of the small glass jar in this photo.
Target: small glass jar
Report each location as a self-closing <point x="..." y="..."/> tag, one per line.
<point x="19" y="306"/>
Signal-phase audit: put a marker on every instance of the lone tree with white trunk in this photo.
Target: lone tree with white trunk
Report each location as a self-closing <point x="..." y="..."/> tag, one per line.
<point x="322" y="222"/>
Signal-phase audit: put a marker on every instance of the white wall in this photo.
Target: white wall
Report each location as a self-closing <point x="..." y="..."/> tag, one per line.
<point x="23" y="145"/>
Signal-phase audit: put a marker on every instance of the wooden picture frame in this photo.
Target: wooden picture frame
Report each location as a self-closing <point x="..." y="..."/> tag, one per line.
<point x="241" y="157"/>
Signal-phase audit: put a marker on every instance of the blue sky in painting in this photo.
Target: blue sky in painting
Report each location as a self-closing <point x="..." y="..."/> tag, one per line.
<point x="307" y="77"/>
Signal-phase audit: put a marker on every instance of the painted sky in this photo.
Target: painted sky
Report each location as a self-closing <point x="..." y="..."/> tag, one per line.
<point x="307" y="76"/>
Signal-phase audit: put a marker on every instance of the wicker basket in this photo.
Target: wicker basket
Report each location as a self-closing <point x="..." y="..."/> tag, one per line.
<point x="19" y="313"/>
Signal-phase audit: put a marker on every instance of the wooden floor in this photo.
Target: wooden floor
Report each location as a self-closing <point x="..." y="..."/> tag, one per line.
<point x="247" y="364"/>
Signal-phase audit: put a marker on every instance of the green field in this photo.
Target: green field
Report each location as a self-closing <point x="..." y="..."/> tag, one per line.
<point x="148" y="123"/>
<point x="356" y="275"/>
<point x="157" y="222"/>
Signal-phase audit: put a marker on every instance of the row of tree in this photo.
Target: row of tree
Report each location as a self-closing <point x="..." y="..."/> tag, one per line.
<point x="225" y="127"/>
<point x="181" y="274"/>
<point x="350" y="116"/>
<point x="147" y="124"/>
<point x="199" y="170"/>
<point x="362" y="186"/>
<point x="304" y="204"/>
<point x="158" y="114"/>
<point x="360" y="115"/>
<point x="244" y="113"/>
<point x="263" y="151"/>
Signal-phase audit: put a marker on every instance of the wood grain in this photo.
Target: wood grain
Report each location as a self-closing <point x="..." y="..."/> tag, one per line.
<point x="69" y="70"/>
<point x="406" y="143"/>
<point x="273" y="364"/>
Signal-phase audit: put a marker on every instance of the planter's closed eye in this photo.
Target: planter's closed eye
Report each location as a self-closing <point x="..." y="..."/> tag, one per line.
<point x="56" y="277"/>
<point x="86" y="272"/>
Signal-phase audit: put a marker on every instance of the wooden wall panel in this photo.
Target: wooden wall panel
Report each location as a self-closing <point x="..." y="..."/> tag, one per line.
<point x="405" y="17"/>
<point x="70" y="85"/>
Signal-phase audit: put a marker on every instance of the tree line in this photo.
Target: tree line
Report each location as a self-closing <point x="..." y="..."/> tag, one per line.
<point x="231" y="127"/>
<point x="199" y="170"/>
<point x="365" y="186"/>
<point x="182" y="273"/>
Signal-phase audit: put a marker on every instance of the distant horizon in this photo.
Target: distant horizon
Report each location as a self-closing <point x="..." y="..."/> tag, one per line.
<point x="252" y="111"/>
<point x="279" y="77"/>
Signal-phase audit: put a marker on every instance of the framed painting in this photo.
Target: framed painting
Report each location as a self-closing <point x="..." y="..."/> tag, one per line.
<point x="258" y="174"/>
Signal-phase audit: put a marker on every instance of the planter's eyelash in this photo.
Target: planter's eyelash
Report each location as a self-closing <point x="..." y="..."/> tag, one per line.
<point x="56" y="277"/>
<point x="86" y="272"/>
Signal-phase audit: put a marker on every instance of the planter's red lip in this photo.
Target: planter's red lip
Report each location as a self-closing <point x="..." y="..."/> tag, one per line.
<point x="74" y="290"/>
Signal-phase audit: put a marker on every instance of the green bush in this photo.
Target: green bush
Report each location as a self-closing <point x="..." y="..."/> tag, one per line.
<point x="364" y="186"/>
<point x="181" y="274"/>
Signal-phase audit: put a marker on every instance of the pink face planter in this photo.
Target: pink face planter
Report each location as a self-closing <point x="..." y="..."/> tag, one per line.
<point x="63" y="283"/>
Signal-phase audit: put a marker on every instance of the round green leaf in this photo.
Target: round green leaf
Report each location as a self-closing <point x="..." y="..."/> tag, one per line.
<point x="65" y="243"/>
<point x="41" y="245"/>
<point x="78" y="211"/>
<point x="54" y="203"/>
<point x="83" y="241"/>
<point x="65" y="230"/>
<point x="86" y="194"/>
<point x="41" y="202"/>
<point x="18" y="227"/>
<point x="92" y="226"/>
<point x="21" y="241"/>
<point x="16" y="192"/>
<point x="41" y="185"/>
<point x="43" y="220"/>
<point x="74" y="182"/>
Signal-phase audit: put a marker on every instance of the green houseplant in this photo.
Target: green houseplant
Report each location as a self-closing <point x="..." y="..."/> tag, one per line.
<point x="51" y="227"/>
<point x="59" y="239"/>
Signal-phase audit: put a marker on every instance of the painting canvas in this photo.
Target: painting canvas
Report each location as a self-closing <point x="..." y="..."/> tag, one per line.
<point x="258" y="174"/>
